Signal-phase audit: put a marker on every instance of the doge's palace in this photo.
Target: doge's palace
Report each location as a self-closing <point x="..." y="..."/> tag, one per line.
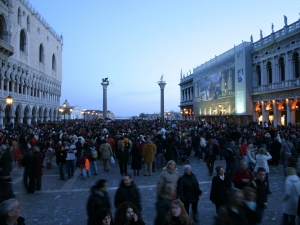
<point x="31" y="65"/>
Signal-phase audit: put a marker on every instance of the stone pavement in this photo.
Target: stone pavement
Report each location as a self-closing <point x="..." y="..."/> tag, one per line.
<point x="64" y="202"/>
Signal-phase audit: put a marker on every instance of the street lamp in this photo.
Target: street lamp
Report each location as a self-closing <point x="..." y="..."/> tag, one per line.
<point x="83" y="112"/>
<point x="9" y="102"/>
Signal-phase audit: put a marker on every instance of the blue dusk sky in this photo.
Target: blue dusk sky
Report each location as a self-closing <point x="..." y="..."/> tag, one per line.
<point x="134" y="42"/>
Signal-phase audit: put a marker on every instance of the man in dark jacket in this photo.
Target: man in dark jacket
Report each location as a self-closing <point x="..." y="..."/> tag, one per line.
<point x="211" y="152"/>
<point x="122" y="156"/>
<point x="275" y="151"/>
<point x="230" y="153"/>
<point x="99" y="199"/>
<point x="260" y="186"/>
<point x="128" y="192"/>
<point x="29" y="164"/>
<point x="39" y="157"/>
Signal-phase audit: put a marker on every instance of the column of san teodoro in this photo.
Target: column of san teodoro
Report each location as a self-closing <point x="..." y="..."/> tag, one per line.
<point x="253" y="81"/>
<point x="31" y="64"/>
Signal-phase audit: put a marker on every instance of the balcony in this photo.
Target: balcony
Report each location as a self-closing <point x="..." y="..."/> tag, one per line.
<point x="278" y="85"/>
<point x="6" y="49"/>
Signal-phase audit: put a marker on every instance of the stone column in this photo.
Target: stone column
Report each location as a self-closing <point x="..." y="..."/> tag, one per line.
<point x="230" y="80"/>
<point x="162" y="85"/>
<point x="20" y="119"/>
<point x="28" y="120"/>
<point x="264" y="114"/>
<point x="275" y="114"/>
<point x="288" y="113"/>
<point x="105" y="85"/>
<point x="254" y="114"/>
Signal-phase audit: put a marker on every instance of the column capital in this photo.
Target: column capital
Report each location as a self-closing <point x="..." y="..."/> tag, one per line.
<point x="162" y="85"/>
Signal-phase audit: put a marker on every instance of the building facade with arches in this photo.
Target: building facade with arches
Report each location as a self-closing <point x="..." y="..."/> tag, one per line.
<point x="30" y="65"/>
<point x="254" y="81"/>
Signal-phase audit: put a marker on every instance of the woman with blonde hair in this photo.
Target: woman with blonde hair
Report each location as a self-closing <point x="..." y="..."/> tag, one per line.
<point x="169" y="173"/>
<point x="178" y="215"/>
<point x="261" y="160"/>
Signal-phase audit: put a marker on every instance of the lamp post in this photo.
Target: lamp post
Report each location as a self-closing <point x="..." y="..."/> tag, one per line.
<point x="83" y="112"/>
<point x="63" y="111"/>
<point x="9" y="102"/>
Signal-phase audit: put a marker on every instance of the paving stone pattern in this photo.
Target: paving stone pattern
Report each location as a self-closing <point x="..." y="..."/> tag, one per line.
<point x="64" y="202"/>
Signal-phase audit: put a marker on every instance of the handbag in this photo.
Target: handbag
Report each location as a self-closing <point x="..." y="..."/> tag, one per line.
<point x="112" y="160"/>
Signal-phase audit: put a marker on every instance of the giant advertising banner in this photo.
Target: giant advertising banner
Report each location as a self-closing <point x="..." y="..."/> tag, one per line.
<point x="243" y="79"/>
<point x="210" y="87"/>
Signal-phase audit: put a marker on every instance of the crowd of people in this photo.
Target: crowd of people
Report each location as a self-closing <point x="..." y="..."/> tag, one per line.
<point x="239" y="191"/>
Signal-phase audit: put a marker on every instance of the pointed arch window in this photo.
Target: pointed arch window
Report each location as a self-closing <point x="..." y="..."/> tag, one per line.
<point x="19" y="15"/>
<point x="53" y="63"/>
<point x="269" y="72"/>
<point x="28" y="23"/>
<point x="22" y="41"/>
<point x="41" y="54"/>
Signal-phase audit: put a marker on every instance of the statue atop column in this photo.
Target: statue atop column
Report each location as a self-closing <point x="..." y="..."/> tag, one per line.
<point x="261" y="34"/>
<point x="251" y="38"/>
<point x="105" y="80"/>
<point x="161" y="81"/>
<point x="272" y="27"/>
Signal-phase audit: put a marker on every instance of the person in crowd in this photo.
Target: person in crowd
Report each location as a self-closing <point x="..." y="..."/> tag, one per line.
<point x="275" y="151"/>
<point x="262" y="161"/>
<point x="128" y="192"/>
<point x="149" y="151"/>
<point x="211" y="152"/>
<point x="170" y="173"/>
<point x="39" y="158"/>
<point x="106" y="152"/>
<point x="79" y="147"/>
<point x="220" y="187"/>
<point x="10" y="213"/>
<point x="178" y="215"/>
<point x="84" y="166"/>
<point x="249" y="206"/>
<point x="251" y="154"/>
<point x="243" y="176"/>
<point x="136" y="155"/>
<point x="99" y="199"/>
<point x="202" y="146"/>
<point x="230" y="153"/>
<point x="6" y="187"/>
<point x="287" y="150"/>
<point x="48" y="157"/>
<point x="260" y="186"/>
<point x="6" y="160"/>
<point x="232" y="212"/>
<point x="61" y="156"/>
<point x="71" y="151"/>
<point x="189" y="191"/>
<point x="163" y="203"/>
<point x="29" y="163"/>
<point x="159" y="152"/>
<point x="291" y="196"/>
<point x="128" y="213"/>
<point x="244" y="149"/>
<point x="102" y="217"/>
<point x="122" y="156"/>
<point x="170" y="149"/>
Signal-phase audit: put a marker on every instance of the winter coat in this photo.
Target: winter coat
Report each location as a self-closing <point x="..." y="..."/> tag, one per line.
<point x="29" y="164"/>
<point x="219" y="190"/>
<point x="136" y="162"/>
<point x="61" y="155"/>
<point x="168" y="175"/>
<point x="170" y="151"/>
<point x="39" y="164"/>
<point x="286" y="150"/>
<point x="128" y="194"/>
<point x="122" y="155"/>
<point x="275" y="148"/>
<point x="188" y="188"/>
<point x="6" y="190"/>
<point x="262" y="161"/>
<point x="149" y="151"/>
<point x="163" y="205"/>
<point x="239" y="175"/>
<point x="291" y="194"/>
<point x="105" y="151"/>
<point x="97" y="200"/>
<point x="6" y="162"/>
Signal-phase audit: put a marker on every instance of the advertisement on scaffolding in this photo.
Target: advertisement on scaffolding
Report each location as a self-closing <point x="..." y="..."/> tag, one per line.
<point x="210" y="87"/>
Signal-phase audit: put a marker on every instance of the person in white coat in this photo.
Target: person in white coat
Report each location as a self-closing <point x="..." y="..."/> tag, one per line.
<point x="291" y="196"/>
<point x="261" y="160"/>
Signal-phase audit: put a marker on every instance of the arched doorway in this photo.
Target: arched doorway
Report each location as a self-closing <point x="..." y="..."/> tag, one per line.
<point x="26" y="114"/>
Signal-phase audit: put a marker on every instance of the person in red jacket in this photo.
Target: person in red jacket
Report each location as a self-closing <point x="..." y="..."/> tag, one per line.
<point x="243" y="176"/>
